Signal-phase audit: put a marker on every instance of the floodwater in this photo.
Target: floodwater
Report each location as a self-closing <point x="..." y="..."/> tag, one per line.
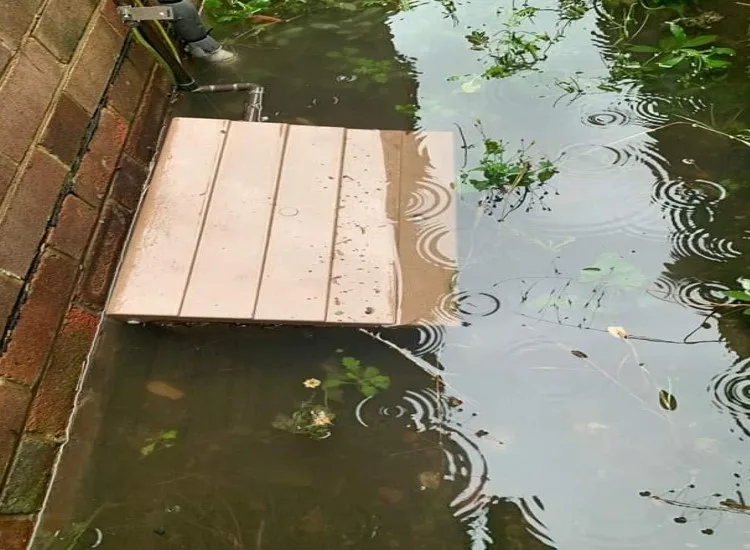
<point x="545" y="429"/>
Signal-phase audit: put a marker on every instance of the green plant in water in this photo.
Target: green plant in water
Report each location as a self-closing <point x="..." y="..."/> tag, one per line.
<point x="375" y="70"/>
<point x="234" y="11"/>
<point x="613" y="270"/>
<point x="739" y="298"/>
<point x="500" y="170"/>
<point x="315" y="420"/>
<point x="368" y="380"/>
<point x="513" y="48"/>
<point x="696" y="55"/>
<point x="164" y="440"/>
<point x="312" y="420"/>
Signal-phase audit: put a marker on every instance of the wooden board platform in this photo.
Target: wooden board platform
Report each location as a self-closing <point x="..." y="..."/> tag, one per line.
<point x="248" y="221"/>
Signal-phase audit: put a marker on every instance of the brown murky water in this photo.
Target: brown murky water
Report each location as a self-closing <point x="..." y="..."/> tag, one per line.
<point x="548" y="431"/>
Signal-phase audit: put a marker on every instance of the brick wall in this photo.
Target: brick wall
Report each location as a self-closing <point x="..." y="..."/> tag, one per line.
<point x="77" y="132"/>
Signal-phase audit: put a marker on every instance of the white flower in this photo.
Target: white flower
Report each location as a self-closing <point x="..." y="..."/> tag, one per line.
<point x="311" y="383"/>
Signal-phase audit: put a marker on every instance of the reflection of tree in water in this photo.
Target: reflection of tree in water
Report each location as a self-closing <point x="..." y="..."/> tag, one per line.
<point x="703" y="189"/>
<point x="398" y="472"/>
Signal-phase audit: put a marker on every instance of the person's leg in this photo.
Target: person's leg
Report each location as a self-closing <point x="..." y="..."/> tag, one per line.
<point x="189" y="27"/>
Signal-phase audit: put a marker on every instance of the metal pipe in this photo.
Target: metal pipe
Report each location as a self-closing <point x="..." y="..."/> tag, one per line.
<point x="237" y="87"/>
<point x="254" y="105"/>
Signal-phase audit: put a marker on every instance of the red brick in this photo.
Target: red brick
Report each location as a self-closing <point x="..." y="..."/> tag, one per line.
<point x="9" y="290"/>
<point x="142" y="141"/>
<point x="40" y="316"/>
<point x="99" y="163"/>
<point x="126" y="91"/>
<point x="7" y="171"/>
<point x="92" y="71"/>
<point x="64" y="133"/>
<point x="74" y="227"/>
<point x="25" y="96"/>
<point x="109" y="12"/>
<point x="53" y="402"/>
<point x="104" y="255"/>
<point x="62" y="24"/>
<point x="29" y="476"/>
<point x="17" y="16"/>
<point x="128" y="182"/>
<point x="142" y="60"/>
<point x="15" y="532"/>
<point x="29" y="210"/>
<point x="14" y="400"/>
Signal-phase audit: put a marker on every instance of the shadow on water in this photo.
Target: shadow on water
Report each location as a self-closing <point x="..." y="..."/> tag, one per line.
<point x="532" y="424"/>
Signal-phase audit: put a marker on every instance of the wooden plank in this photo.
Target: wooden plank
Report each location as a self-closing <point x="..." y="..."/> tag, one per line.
<point x="155" y="270"/>
<point x="427" y="232"/>
<point x="226" y="274"/>
<point x="297" y="269"/>
<point x="363" y="285"/>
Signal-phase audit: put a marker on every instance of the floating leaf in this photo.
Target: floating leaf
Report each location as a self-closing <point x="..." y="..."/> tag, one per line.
<point x="613" y="270"/>
<point x="148" y="448"/>
<point x="667" y="401"/>
<point x="471" y="86"/>
<point x="618" y="332"/>
<point x="163" y="389"/>
<point x="579" y="354"/>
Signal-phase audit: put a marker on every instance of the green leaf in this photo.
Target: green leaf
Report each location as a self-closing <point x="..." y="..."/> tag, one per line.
<point x="740" y="295"/>
<point x="667" y="44"/>
<point x="350" y="363"/>
<point x="678" y="32"/>
<point x="382" y="382"/>
<point x="745" y="283"/>
<point x="171" y="434"/>
<point x="699" y="41"/>
<point x="723" y="51"/>
<point x="671" y="61"/>
<point x="717" y="63"/>
<point x="368" y="390"/>
<point x="643" y="49"/>
<point x="370" y="372"/>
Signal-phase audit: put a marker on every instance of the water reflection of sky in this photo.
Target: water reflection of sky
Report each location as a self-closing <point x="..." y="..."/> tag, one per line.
<point x="586" y="439"/>
<point x="557" y="415"/>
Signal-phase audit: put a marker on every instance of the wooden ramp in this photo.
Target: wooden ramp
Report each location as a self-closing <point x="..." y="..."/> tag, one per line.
<point x="264" y="222"/>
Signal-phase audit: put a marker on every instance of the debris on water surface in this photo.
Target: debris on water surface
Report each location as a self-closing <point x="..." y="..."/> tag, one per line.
<point x="165" y="440"/>
<point x="618" y="332"/>
<point x="667" y="401"/>
<point x="430" y="480"/>
<point x="579" y="354"/>
<point x="163" y="389"/>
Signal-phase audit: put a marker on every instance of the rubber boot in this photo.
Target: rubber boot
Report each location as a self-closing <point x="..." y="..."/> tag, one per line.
<point x="190" y="29"/>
